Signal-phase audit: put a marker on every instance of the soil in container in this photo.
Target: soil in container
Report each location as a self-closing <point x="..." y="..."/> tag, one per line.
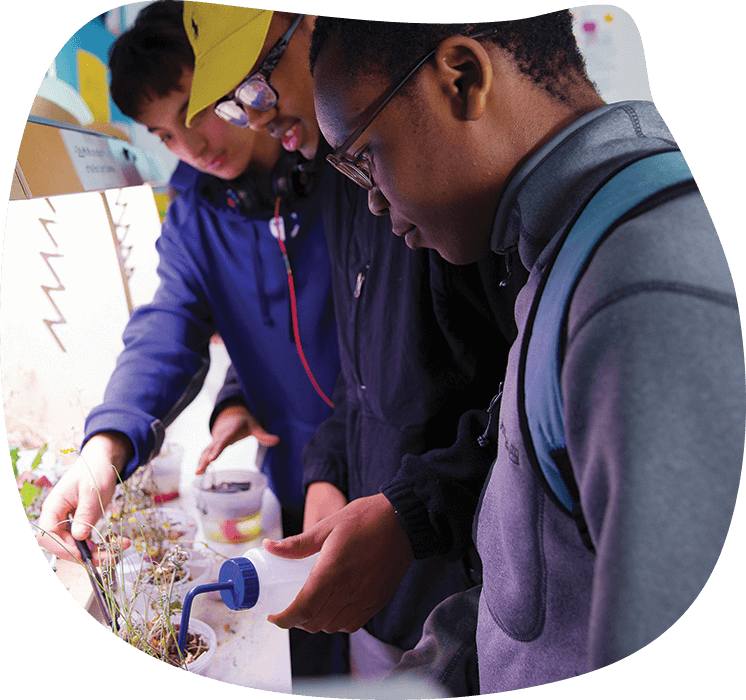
<point x="229" y="487"/>
<point x="165" y="644"/>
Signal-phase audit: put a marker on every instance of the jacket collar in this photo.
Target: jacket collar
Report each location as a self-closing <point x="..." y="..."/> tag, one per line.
<point x="184" y="177"/>
<point x="546" y="192"/>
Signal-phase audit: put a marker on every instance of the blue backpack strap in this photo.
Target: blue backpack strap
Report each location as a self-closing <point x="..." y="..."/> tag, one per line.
<point x="539" y="390"/>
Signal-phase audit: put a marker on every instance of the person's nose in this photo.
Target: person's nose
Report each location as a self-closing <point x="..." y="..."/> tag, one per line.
<point x="259" y="120"/>
<point x="377" y="202"/>
<point x="194" y="142"/>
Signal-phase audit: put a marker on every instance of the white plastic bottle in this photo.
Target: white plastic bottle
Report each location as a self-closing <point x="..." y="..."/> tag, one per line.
<point x="262" y="582"/>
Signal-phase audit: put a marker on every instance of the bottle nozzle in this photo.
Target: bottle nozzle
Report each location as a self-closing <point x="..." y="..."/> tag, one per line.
<point x="186" y="609"/>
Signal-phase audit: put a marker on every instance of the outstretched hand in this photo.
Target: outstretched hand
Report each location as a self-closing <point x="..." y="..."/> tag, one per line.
<point x="232" y="424"/>
<point x="365" y="554"/>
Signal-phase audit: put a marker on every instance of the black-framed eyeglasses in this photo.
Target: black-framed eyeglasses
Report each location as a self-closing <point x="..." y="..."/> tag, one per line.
<point x="255" y="91"/>
<point x="354" y="166"/>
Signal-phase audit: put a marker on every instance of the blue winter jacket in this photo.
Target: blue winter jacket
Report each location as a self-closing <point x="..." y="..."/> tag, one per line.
<point x="222" y="271"/>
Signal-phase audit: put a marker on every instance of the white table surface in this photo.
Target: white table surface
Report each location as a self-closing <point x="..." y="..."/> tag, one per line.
<point x="251" y="652"/>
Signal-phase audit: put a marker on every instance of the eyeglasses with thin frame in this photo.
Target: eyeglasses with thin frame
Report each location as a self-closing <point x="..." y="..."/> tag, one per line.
<point x="255" y="91"/>
<point x="354" y="166"/>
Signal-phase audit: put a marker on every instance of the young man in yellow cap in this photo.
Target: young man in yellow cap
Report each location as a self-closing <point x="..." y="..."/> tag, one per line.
<point x="409" y="367"/>
<point x="280" y="40"/>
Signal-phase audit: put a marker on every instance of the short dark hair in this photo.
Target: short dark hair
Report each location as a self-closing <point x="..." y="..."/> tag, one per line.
<point x="148" y="59"/>
<point x="543" y="47"/>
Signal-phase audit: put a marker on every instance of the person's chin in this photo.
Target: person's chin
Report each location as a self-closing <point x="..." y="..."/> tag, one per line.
<point x="309" y="146"/>
<point x="229" y="172"/>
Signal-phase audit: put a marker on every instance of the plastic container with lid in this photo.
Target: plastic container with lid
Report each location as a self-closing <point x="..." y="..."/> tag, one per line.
<point x="229" y="504"/>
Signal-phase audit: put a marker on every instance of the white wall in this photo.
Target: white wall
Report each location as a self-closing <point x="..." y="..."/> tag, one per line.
<point x="613" y="51"/>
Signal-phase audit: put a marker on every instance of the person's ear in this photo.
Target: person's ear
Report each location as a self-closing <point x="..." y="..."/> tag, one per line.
<point x="464" y="69"/>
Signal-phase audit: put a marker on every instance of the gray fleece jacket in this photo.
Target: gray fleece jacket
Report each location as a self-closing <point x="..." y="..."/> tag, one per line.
<point x="654" y="411"/>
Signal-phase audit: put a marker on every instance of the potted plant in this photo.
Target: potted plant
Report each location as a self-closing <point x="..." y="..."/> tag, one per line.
<point x="158" y="637"/>
<point x="141" y="589"/>
<point x="144" y="580"/>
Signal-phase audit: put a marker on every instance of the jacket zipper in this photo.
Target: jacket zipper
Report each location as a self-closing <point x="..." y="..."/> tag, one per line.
<point x="493" y="413"/>
<point x="359" y="283"/>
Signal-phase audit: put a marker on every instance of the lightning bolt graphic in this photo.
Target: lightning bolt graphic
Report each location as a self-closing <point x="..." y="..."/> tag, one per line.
<point x="60" y="287"/>
<point x="122" y="230"/>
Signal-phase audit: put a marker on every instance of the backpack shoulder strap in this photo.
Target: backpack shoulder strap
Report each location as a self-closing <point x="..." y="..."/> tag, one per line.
<point x="539" y="390"/>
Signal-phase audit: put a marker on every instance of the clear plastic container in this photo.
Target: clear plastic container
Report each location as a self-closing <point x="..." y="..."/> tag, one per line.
<point x="229" y="504"/>
<point x="166" y="471"/>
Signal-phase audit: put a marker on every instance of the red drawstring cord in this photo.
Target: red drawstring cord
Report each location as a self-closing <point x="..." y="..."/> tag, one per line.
<point x="294" y="309"/>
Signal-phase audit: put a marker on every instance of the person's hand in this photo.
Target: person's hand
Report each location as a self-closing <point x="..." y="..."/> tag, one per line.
<point x="365" y="554"/>
<point x="232" y="424"/>
<point x="84" y="491"/>
<point x="322" y="500"/>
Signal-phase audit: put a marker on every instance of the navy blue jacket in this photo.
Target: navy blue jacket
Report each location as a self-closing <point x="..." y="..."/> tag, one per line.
<point x="420" y="344"/>
<point x="222" y="271"/>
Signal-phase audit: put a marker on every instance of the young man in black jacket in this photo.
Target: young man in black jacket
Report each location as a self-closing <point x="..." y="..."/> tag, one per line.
<point x="408" y="370"/>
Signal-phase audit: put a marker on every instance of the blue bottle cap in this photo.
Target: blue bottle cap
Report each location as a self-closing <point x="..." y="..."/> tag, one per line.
<point x="241" y="573"/>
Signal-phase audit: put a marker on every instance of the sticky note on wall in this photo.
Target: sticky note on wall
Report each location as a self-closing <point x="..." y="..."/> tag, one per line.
<point x="93" y="85"/>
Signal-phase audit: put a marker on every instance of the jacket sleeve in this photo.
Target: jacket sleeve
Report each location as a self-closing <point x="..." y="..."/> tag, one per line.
<point x="165" y="357"/>
<point x="447" y="651"/>
<point x="658" y="458"/>
<point x="436" y="494"/>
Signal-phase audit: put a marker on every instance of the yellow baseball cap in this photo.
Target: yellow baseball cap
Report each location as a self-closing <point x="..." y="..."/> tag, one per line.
<point x="226" y="41"/>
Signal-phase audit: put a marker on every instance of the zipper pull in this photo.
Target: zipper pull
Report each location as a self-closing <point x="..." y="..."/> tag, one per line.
<point x="360" y="280"/>
<point x="484" y="438"/>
